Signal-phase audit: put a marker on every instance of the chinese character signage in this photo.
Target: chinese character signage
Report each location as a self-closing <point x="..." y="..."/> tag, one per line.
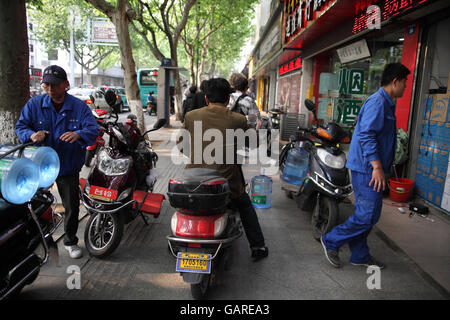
<point x="103" y="31"/>
<point x="355" y="51"/>
<point x="389" y="9"/>
<point x="290" y="66"/>
<point x="351" y="81"/>
<point x="299" y="12"/>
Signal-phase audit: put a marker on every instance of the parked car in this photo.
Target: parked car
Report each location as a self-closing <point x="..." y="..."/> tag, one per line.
<point x="94" y="98"/>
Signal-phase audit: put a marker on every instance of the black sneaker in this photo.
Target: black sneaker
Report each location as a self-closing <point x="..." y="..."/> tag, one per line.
<point x="371" y="262"/>
<point x="331" y="255"/>
<point x="259" y="253"/>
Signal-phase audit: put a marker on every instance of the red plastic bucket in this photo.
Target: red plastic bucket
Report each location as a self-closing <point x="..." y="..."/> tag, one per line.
<point x="400" y="189"/>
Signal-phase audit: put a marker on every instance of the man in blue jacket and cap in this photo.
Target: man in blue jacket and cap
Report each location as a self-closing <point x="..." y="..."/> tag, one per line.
<point x="71" y="127"/>
<point x="371" y="155"/>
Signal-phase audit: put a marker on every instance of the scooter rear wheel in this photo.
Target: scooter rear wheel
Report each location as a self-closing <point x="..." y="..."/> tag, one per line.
<point x="198" y="290"/>
<point x="325" y="216"/>
<point x="103" y="233"/>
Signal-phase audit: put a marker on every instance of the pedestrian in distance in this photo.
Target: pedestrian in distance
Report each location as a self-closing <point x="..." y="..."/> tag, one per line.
<point x="71" y="128"/>
<point x="243" y="103"/>
<point x="217" y="116"/>
<point x="371" y="155"/>
<point x="188" y="104"/>
<point x="151" y="103"/>
<point x="200" y="98"/>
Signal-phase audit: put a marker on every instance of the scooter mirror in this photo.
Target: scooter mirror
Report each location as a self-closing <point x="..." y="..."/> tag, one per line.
<point x="110" y="98"/>
<point x="311" y="106"/>
<point x="159" y="124"/>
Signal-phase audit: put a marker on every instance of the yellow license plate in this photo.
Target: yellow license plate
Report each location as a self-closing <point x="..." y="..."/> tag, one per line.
<point x="193" y="262"/>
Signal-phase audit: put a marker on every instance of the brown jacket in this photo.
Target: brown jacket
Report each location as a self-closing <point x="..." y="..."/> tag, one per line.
<point x="217" y="116"/>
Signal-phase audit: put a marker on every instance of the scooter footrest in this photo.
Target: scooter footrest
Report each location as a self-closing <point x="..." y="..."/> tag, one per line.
<point x="152" y="203"/>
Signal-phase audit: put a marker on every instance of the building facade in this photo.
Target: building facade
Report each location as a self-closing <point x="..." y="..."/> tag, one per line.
<point x="334" y="51"/>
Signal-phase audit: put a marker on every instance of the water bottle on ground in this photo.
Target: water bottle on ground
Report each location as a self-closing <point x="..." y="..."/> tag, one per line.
<point x="261" y="190"/>
<point x="296" y="166"/>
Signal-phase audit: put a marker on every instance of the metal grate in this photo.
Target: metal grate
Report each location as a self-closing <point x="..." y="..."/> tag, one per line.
<point x="289" y="124"/>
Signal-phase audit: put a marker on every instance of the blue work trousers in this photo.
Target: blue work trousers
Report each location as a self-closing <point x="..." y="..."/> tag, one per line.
<point x="354" y="231"/>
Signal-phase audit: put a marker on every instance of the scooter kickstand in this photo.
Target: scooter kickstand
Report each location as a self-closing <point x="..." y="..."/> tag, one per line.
<point x="144" y="218"/>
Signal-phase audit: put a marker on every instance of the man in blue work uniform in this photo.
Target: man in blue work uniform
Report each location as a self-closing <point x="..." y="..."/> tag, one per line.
<point x="71" y="127"/>
<point x="371" y="155"/>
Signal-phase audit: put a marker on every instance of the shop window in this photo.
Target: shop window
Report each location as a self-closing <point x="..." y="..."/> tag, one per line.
<point x="288" y="93"/>
<point x="352" y="83"/>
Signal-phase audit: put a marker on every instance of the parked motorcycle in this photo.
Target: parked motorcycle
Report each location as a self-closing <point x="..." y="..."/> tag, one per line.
<point x="203" y="227"/>
<point x="100" y="115"/>
<point x="328" y="181"/>
<point x="120" y="185"/>
<point x="269" y="123"/>
<point x="275" y="117"/>
<point x="26" y="241"/>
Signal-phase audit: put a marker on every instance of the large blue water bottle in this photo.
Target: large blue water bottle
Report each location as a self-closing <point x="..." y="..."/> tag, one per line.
<point x="46" y="159"/>
<point x="261" y="190"/>
<point x="296" y="166"/>
<point x="19" y="179"/>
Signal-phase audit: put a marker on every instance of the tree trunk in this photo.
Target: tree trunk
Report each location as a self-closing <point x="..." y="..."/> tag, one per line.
<point x="120" y="18"/>
<point x="14" y="63"/>
<point x="176" y="83"/>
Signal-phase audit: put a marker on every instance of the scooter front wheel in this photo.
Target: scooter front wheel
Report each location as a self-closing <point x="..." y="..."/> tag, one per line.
<point x="103" y="233"/>
<point x="324" y="217"/>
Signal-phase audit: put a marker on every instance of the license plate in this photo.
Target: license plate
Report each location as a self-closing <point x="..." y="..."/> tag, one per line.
<point x="193" y="262"/>
<point x="103" y="193"/>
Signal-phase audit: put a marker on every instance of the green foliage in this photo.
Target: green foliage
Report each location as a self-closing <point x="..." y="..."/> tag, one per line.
<point x="51" y="21"/>
<point x="216" y="32"/>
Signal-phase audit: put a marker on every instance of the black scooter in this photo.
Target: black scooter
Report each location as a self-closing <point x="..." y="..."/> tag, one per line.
<point x="328" y="181"/>
<point x="26" y="240"/>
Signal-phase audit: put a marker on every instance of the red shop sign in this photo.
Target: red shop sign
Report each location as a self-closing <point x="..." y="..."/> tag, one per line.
<point x="291" y="66"/>
<point x="388" y="9"/>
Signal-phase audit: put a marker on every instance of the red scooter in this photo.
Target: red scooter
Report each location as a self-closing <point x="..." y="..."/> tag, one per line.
<point x="119" y="187"/>
<point x="203" y="228"/>
<point x="99" y="115"/>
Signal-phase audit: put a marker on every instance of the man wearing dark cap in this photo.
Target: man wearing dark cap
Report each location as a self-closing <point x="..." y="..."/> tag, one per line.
<point x="217" y="116"/>
<point x="71" y="127"/>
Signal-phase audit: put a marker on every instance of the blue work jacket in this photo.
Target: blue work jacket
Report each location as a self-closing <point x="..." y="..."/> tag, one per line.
<point x="375" y="135"/>
<point x="40" y="114"/>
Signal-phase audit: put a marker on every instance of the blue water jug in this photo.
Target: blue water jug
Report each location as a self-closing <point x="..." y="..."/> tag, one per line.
<point x="19" y="179"/>
<point x="261" y="190"/>
<point x="46" y="159"/>
<point x="296" y="166"/>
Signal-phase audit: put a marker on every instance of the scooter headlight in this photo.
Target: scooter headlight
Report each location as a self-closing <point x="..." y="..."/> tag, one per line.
<point x="113" y="167"/>
<point x="336" y="162"/>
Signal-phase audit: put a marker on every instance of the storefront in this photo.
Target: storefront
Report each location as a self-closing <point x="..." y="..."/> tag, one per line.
<point x="347" y="44"/>
<point x="430" y="129"/>
<point x="263" y="66"/>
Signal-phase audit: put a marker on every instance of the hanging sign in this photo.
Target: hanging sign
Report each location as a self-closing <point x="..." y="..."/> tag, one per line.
<point x="355" y="51"/>
<point x="103" y="31"/>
